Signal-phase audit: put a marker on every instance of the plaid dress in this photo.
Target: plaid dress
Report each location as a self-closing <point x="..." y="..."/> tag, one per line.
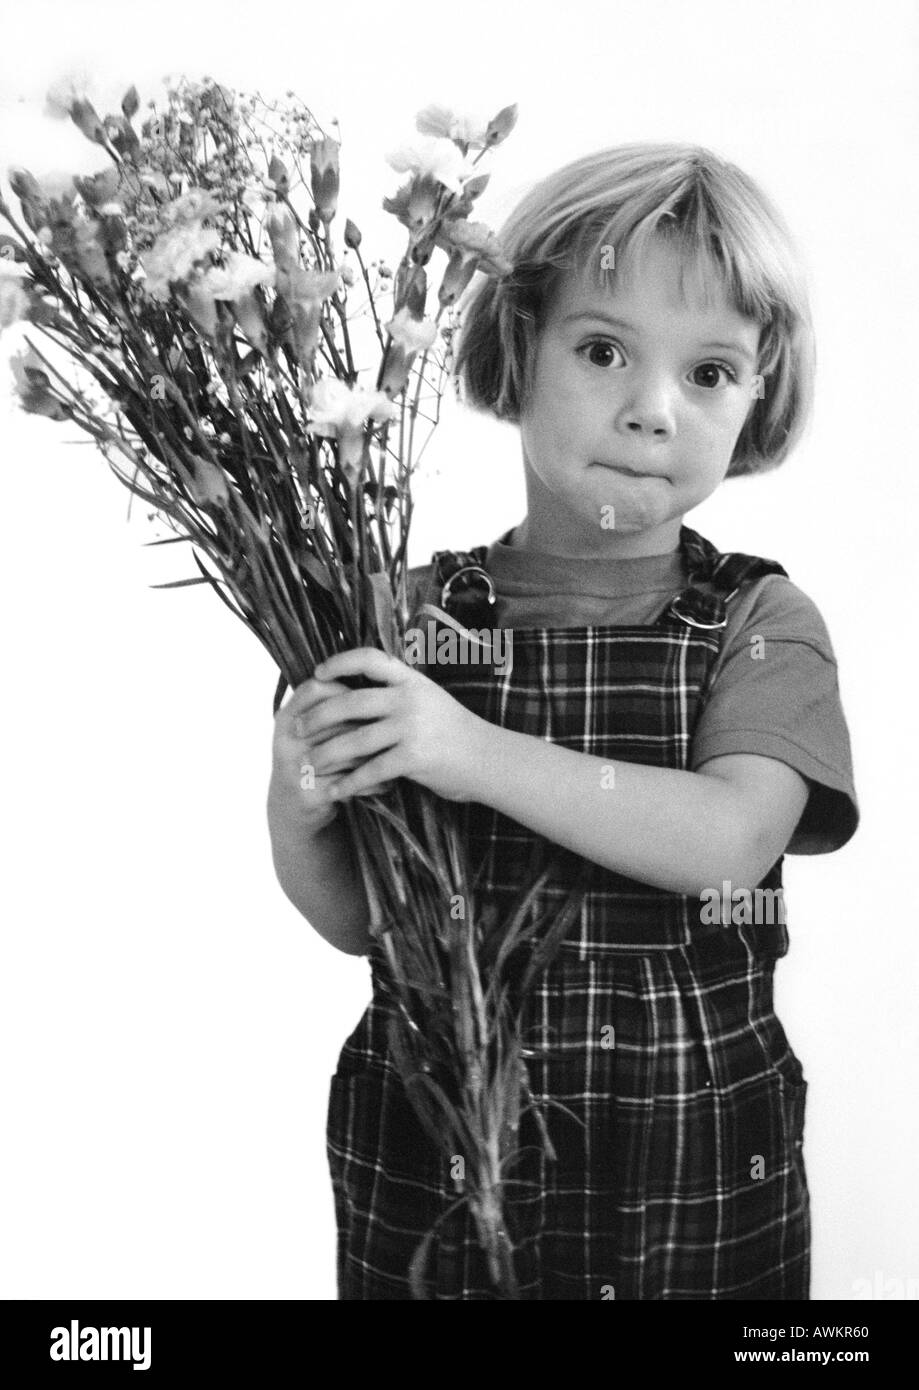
<point x="673" y="1099"/>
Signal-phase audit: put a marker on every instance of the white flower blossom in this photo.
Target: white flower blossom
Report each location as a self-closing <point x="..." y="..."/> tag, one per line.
<point x="435" y="157"/>
<point x="337" y="408"/>
<point x="173" y="256"/>
<point x="282" y="232"/>
<point x="63" y="92"/>
<point x="307" y="287"/>
<point x="57" y="183"/>
<point x="413" y="335"/>
<point x="190" y="207"/>
<point x="13" y="299"/>
<point x="472" y="236"/>
<point x="443" y="121"/>
<point x="25" y="357"/>
<point x="237" y="278"/>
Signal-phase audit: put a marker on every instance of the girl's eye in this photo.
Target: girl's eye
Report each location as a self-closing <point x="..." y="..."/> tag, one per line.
<point x="716" y="366"/>
<point x="601" y="345"/>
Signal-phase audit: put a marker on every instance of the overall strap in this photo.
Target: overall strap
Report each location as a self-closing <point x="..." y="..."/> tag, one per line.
<point x="462" y="586"/>
<point x="724" y="574"/>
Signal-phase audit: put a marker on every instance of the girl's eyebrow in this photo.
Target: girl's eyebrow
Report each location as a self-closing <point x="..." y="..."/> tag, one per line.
<point x="731" y="346"/>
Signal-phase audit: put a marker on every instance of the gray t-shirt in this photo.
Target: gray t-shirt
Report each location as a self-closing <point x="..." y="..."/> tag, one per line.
<point x="786" y="705"/>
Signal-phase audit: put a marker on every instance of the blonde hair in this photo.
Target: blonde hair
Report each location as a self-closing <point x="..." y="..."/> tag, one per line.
<point x="728" y="232"/>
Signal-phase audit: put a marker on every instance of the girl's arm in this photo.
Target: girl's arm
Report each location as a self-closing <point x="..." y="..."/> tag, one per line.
<point x="319" y="873"/>
<point x="682" y="831"/>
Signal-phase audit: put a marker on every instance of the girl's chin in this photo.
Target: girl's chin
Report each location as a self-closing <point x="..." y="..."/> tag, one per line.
<point x="631" y="512"/>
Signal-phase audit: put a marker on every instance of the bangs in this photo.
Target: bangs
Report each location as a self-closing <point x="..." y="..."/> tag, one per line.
<point x="712" y="262"/>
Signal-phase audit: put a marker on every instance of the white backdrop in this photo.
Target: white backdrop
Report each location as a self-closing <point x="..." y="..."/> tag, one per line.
<point x="168" y="1021"/>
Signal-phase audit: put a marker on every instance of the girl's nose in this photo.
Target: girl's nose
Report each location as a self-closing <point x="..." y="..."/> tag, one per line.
<point x="646" y="410"/>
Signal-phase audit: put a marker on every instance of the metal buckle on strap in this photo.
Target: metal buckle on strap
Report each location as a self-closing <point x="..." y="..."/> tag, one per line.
<point x="684" y="618"/>
<point x="693" y="622"/>
<point x="466" y="569"/>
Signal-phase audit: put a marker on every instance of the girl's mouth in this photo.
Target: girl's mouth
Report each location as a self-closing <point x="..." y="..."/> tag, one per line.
<point x="619" y="468"/>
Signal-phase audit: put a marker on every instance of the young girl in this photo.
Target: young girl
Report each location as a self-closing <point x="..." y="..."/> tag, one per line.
<point x="669" y="722"/>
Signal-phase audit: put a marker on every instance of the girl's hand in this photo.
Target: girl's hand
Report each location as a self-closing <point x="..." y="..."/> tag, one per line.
<point x="414" y="728"/>
<point x="294" y="771"/>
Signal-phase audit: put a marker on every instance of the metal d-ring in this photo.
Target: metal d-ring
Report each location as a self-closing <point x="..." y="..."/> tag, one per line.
<point x="446" y="590"/>
<point x="707" y="627"/>
<point x="692" y="621"/>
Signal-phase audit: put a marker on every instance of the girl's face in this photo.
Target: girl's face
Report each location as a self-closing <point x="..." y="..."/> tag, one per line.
<point x="637" y="403"/>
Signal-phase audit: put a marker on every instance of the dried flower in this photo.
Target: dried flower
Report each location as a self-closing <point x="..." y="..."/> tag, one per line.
<point x="174" y="256"/>
<point x="191" y="208"/>
<point x="237" y="277"/>
<point x="342" y="411"/>
<point x="324" y="171"/>
<point x="335" y="406"/>
<point x="64" y="93"/>
<point x="282" y="233"/>
<point x="68" y="97"/>
<point x="411" y="334"/>
<point x="33" y="387"/>
<point x="435" y="158"/>
<point x="14" y="301"/>
<point x="462" y="127"/>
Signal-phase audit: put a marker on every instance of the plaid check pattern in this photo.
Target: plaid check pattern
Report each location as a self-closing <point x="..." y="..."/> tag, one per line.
<point x="672" y="1097"/>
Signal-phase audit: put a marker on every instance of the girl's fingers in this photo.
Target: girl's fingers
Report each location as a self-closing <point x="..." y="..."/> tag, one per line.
<point x="354" y="705"/>
<point x="306" y="698"/>
<point x="366" y="661"/>
<point x="366" y="778"/>
<point x="311" y="692"/>
<point x="354" y="745"/>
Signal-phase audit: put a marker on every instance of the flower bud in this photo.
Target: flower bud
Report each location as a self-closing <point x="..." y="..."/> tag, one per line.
<point x="324" y="172"/>
<point x="500" y="126"/>
<point x="352" y="235"/>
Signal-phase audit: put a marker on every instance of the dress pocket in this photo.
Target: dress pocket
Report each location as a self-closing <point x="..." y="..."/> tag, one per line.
<point x="795" y="1108"/>
<point x="781" y="1059"/>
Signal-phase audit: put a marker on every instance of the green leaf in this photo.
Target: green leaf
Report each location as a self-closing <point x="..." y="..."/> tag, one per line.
<point x="381" y="595"/>
<point x="317" y="571"/>
<point x="181" y="583"/>
<point x="416" y="1270"/>
<point x="130" y="102"/>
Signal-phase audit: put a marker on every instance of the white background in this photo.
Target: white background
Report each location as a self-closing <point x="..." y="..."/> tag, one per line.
<point x="168" y="1021"/>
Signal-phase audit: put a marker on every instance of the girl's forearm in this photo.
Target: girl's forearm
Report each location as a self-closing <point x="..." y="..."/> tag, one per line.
<point x="319" y="873"/>
<point x="677" y="830"/>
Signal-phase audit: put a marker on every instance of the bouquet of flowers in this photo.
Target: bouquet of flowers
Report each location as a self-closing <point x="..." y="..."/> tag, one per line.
<point x="198" y="323"/>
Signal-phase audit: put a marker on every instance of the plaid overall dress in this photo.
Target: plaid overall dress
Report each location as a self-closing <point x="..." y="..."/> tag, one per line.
<point x="672" y="1097"/>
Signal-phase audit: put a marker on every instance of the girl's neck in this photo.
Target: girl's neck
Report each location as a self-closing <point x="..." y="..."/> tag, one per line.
<point x="661" y="540"/>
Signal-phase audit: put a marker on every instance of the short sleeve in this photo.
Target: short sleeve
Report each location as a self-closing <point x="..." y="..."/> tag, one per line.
<point x="776" y="693"/>
<point x="418" y="584"/>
